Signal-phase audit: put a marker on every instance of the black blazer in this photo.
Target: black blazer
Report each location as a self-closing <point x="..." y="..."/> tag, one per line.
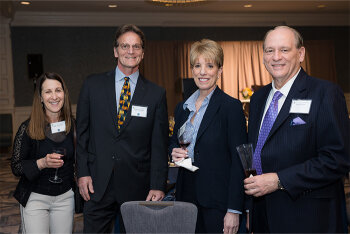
<point x="310" y="159"/>
<point x="26" y="151"/>
<point x="137" y="154"/>
<point x="219" y="180"/>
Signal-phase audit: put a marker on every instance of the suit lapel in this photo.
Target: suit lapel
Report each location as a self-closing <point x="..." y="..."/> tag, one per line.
<point x="137" y="98"/>
<point x="209" y="114"/>
<point x="297" y="91"/>
<point x="112" y="104"/>
<point x="184" y="116"/>
<point x="261" y="107"/>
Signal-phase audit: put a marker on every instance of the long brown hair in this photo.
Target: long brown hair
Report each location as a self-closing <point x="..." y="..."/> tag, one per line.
<point x="38" y="118"/>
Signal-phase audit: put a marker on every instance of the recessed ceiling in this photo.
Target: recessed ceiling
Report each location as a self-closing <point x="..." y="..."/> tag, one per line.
<point x="209" y="13"/>
<point x="223" y="6"/>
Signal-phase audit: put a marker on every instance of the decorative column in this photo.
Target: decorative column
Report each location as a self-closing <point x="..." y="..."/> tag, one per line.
<point x="7" y="99"/>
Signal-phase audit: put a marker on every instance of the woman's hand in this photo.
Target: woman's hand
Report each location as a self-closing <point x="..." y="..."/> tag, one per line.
<point x="247" y="224"/>
<point x="178" y="154"/>
<point x="231" y="223"/>
<point x="50" y="161"/>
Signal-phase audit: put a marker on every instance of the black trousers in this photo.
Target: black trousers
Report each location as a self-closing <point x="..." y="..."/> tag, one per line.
<point x="100" y="216"/>
<point x="259" y="217"/>
<point x="209" y="220"/>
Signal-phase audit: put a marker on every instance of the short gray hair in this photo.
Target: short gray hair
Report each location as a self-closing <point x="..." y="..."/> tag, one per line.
<point x="299" y="42"/>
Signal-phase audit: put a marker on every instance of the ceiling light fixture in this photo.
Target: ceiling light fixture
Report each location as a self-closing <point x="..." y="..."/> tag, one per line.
<point x="25" y="3"/>
<point x="321" y="6"/>
<point x="112" y="5"/>
<point x="178" y="1"/>
<point x="248" y="5"/>
<point x="169" y="3"/>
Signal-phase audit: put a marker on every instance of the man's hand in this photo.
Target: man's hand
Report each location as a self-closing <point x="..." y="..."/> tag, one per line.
<point x="155" y="195"/>
<point x="85" y="186"/>
<point x="231" y="223"/>
<point x="261" y="185"/>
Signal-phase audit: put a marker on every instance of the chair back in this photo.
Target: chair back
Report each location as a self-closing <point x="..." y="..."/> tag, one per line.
<point x="159" y="217"/>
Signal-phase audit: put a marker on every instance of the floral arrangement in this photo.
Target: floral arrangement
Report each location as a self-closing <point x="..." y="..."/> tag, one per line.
<point x="171" y="125"/>
<point x="247" y="93"/>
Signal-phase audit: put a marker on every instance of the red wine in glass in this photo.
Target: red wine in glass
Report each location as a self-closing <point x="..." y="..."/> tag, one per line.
<point x="184" y="145"/>
<point x="184" y="138"/>
<point x="249" y="172"/>
<point x="55" y="179"/>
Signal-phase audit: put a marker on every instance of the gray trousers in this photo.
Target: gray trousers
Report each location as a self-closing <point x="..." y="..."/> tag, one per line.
<point x="48" y="214"/>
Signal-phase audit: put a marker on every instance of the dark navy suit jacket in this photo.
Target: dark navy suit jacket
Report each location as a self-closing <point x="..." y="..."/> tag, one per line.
<point x="310" y="159"/>
<point x="137" y="154"/>
<point x="219" y="180"/>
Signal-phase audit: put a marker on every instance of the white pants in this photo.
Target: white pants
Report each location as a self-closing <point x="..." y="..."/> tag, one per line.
<point x="48" y="214"/>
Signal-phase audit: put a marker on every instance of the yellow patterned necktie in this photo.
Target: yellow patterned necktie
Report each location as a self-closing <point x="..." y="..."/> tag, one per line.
<point x="124" y="102"/>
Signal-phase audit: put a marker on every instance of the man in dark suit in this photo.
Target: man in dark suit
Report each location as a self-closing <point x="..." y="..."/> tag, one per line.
<point x="122" y="133"/>
<point x="298" y="126"/>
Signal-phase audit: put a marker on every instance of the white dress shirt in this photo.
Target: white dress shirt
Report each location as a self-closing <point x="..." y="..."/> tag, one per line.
<point x="284" y="90"/>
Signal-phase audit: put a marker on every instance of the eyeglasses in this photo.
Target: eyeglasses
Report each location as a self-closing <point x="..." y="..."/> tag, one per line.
<point x="127" y="46"/>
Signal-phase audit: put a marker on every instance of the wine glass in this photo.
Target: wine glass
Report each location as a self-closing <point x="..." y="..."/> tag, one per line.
<point x="245" y="153"/>
<point x="184" y="137"/>
<point x="55" y="179"/>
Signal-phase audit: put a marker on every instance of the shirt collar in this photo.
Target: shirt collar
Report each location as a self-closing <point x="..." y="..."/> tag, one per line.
<point x="119" y="75"/>
<point x="191" y="101"/>
<point x="287" y="86"/>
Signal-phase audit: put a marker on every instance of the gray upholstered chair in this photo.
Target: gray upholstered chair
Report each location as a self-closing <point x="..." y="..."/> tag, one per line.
<point x="159" y="217"/>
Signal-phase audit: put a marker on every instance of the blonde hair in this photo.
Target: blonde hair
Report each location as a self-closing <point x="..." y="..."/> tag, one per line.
<point x="36" y="127"/>
<point x="209" y="49"/>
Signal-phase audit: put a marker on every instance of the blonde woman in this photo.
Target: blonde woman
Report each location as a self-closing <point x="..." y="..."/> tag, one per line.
<point x="216" y="125"/>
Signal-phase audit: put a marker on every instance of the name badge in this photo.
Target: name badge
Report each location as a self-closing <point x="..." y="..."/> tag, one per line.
<point x="139" y="111"/>
<point x="300" y="106"/>
<point x="58" y="127"/>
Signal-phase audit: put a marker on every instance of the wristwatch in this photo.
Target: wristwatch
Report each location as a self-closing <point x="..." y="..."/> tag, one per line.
<point x="279" y="185"/>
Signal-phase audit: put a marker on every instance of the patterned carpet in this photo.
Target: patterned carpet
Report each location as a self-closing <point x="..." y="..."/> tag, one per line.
<point x="10" y="218"/>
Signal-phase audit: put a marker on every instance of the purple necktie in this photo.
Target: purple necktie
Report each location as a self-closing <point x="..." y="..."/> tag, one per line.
<point x="266" y="126"/>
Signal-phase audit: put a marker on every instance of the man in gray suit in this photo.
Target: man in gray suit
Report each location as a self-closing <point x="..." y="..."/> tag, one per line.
<point x="122" y="136"/>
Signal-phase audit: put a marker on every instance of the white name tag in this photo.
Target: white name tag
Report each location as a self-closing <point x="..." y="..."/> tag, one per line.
<point x="300" y="106"/>
<point x="58" y="127"/>
<point x="182" y="129"/>
<point x="139" y="111"/>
